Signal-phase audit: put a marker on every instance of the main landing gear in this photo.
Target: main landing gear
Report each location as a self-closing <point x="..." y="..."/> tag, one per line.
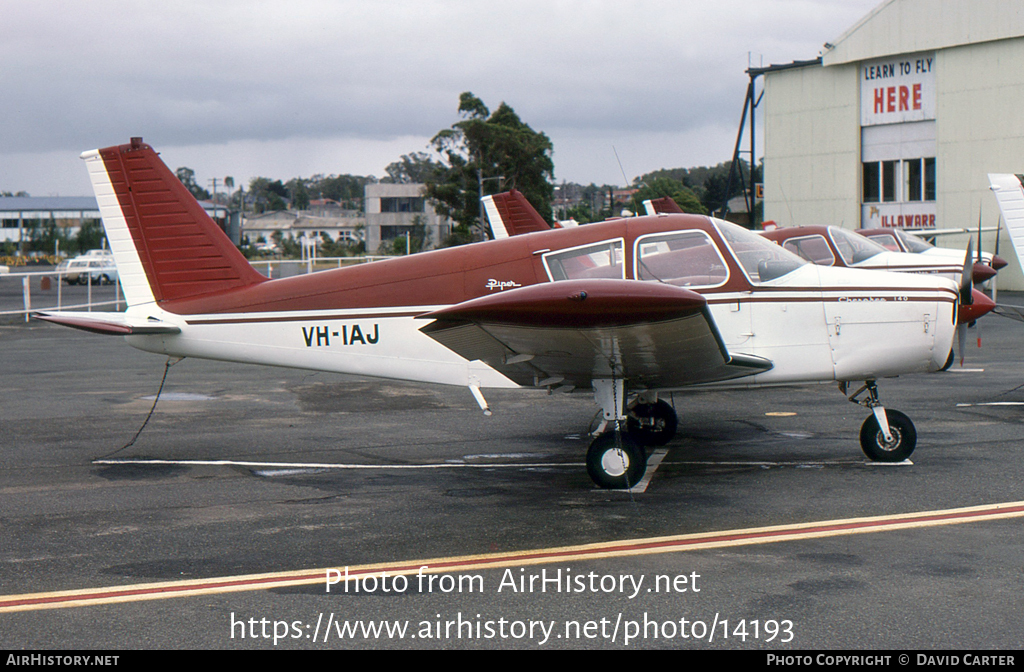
<point x="887" y="435"/>
<point x="616" y="458"/>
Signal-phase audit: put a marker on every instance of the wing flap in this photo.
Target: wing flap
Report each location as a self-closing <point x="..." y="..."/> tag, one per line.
<point x="654" y="335"/>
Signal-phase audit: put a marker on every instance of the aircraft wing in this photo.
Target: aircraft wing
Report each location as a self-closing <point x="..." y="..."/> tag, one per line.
<point x="931" y="233"/>
<point x="111" y="324"/>
<point x="1010" y="196"/>
<point x="570" y="333"/>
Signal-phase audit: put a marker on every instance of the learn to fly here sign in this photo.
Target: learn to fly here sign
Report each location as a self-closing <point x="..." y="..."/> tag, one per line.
<point x="897" y="89"/>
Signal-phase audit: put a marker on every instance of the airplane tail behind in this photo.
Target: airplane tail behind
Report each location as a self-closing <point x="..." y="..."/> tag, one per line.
<point x="165" y="245"/>
<point x="510" y="214"/>
<point x="663" y="205"/>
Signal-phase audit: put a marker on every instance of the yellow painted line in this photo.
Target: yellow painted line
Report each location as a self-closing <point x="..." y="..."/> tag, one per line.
<point x="653" y="545"/>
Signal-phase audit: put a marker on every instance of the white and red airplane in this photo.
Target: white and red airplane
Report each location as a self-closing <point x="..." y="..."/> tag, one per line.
<point x="986" y="264"/>
<point x="630" y="308"/>
<point x="888" y="249"/>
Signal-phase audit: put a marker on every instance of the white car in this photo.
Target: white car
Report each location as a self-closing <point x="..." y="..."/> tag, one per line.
<point x="90" y="267"/>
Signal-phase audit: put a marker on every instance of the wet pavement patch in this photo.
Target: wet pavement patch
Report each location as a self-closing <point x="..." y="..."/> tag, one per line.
<point x="365" y="397"/>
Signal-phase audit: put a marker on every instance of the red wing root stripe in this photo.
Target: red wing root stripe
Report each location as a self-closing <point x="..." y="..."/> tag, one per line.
<point x="672" y="544"/>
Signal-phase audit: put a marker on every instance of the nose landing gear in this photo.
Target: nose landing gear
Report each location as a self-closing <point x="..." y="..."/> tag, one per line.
<point x="887" y="435"/>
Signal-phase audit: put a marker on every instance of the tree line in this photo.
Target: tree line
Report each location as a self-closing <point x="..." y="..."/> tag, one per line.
<point x="486" y="152"/>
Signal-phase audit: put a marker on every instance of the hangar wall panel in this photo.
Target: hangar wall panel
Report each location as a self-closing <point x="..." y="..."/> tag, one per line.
<point x="906" y="26"/>
<point x="812" y="146"/>
<point x="980" y="131"/>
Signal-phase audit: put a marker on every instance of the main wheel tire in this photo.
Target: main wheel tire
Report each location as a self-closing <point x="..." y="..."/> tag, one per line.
<point x="949" y="361"/>
<point x="904" y="435"/>
<point x="616" y="461"/>
<point x="652" y="424"/>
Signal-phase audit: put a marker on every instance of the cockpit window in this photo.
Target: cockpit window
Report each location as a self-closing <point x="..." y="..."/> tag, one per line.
<point x="913" y="243"/>
<point x="761" y="259"/>
<point x="888" y="241"/>
<point x="814" y="249"/>
<point x="599" y="260"/>
<point x="683" y="258"/>
<point x="853" y="248"/>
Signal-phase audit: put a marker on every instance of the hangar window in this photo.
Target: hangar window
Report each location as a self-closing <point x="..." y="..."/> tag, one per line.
<point x="872" y="182"/>
<point x="889" y="180"/>
<point x="904" y="181"/>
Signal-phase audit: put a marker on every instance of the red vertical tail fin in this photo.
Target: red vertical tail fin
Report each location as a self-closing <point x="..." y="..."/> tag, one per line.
<point x="510" y="214"/>
<point x="165" y="245"/>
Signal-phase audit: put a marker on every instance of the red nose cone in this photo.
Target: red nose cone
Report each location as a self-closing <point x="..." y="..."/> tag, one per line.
<point x="998" y="262"/>
<point x="982" y="304"/>
<point x="982" y="272"/>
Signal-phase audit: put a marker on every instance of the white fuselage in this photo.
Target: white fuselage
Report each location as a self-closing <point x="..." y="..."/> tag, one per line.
<point x="815" y="324"/>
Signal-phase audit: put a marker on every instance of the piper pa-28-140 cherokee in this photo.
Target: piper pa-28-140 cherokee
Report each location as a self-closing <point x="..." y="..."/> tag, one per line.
<point x="630" y="308"/>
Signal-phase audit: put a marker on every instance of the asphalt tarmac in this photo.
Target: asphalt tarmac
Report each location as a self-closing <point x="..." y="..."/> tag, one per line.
<point x="250" y="488"/>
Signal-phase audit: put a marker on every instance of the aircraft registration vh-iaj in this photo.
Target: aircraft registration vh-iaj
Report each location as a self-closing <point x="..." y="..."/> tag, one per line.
<point x="630" y="308"/>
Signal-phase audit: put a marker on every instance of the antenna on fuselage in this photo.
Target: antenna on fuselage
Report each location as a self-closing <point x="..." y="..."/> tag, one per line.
<point x="623" y="171"/>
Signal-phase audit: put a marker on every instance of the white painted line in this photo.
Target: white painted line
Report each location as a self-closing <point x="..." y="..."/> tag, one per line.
<point x="756" y="463"/>
<point x="327" y="465"/>
<point x="992" y="403"/>
<point x="653" y="462"/>
<point x="952" y="370"/>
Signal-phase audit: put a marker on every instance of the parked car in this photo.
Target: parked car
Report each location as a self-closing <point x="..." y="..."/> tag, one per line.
<point x="94" y="267"/>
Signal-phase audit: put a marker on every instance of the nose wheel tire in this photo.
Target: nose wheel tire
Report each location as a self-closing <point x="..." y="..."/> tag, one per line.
<point x="652" y="424"/>
<point x="616" y="461"/>
<point x="904" y="438"/>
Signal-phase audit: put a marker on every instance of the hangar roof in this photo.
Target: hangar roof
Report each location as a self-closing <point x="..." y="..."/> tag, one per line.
<point x="47" y="203"/>
<point x="908" y="26"/>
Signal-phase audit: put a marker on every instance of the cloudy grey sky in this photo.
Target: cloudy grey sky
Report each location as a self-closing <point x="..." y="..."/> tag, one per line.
<point x="286" y="89"/>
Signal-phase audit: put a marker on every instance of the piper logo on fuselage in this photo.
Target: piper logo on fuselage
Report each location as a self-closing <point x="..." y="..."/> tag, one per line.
<point x="501" y="285"/>
<point x="350" y="335"/>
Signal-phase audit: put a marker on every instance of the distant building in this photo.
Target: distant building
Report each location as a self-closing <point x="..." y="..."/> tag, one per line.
<point x="20" y="215"/>
<point x="345" y="226"/>
<point x="900" y="120"/>
<point x="391" y="212"/>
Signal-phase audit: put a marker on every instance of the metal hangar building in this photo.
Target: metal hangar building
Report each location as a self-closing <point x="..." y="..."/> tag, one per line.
<point x="900" y="120"/>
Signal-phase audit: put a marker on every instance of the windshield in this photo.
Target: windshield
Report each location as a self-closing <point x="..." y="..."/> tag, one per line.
<point x="761" y="259"/>
<point x="853" y="247"/>
<point x="913" y="243"/>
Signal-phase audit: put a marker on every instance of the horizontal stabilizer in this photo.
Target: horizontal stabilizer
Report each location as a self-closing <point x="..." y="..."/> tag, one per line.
<point x="111" y="324"/>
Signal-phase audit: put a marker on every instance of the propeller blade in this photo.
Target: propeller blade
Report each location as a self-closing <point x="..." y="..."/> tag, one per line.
<point x="966" y="279"/>
<point x="961" y="341"/>
<point x="979" y="235"/>
<point x="996" y="260"/>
